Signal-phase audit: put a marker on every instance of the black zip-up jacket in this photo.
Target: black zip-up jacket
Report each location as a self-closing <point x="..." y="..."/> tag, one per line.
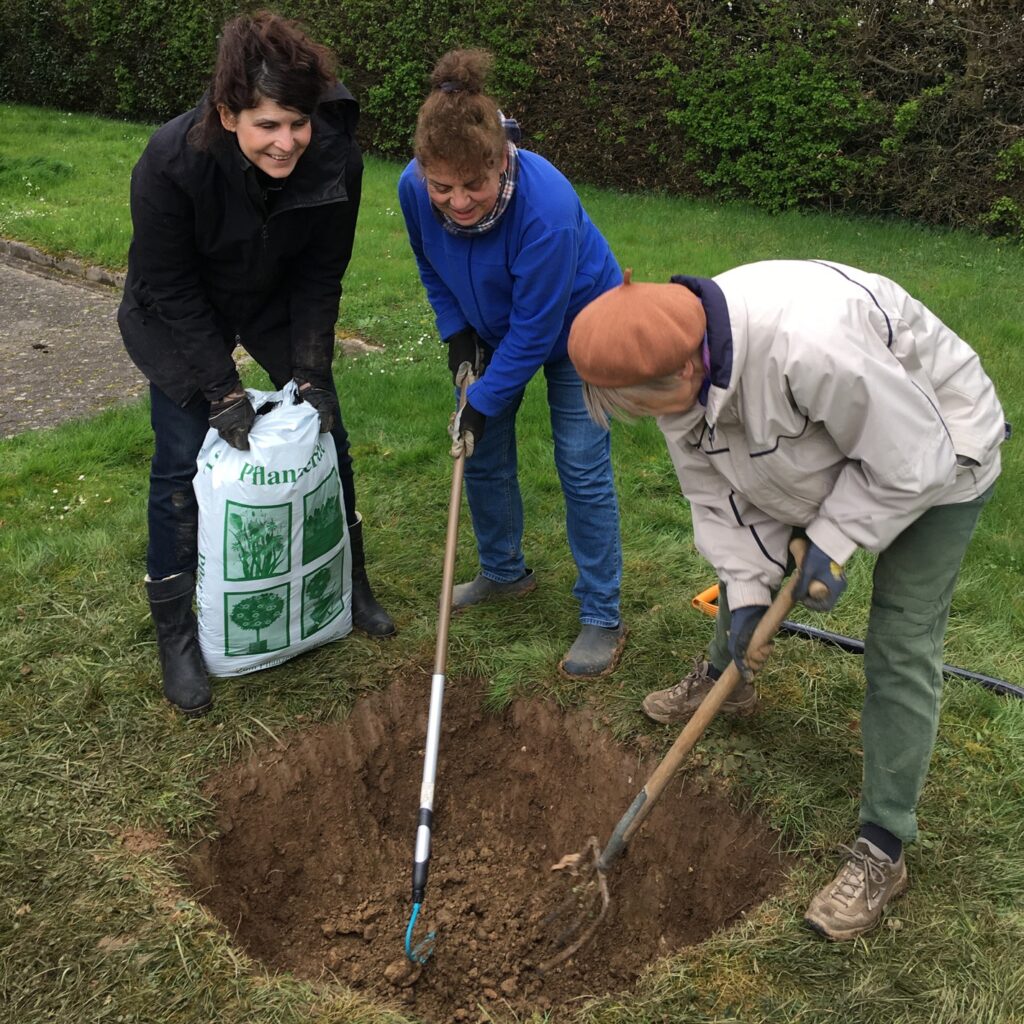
<point x="211" y="265"/>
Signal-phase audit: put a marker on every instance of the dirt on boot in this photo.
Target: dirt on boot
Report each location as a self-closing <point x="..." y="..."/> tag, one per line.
<point x="311" y="871"/>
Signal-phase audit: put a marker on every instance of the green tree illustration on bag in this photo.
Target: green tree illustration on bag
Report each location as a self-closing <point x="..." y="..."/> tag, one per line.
<point x="322" y="526"/>
<point x="256" y="541"/>
<point x="321" y="596"/>
<point x="257" y="613"/>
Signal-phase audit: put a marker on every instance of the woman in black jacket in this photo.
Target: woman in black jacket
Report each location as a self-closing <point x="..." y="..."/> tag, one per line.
<point x="244" y="211"/>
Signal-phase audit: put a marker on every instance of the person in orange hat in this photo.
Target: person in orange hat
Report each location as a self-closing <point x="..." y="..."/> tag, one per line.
<point x="807" y="396"/>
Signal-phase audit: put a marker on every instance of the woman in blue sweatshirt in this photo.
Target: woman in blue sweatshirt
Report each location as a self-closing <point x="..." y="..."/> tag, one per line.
<point x="508" y="257"/>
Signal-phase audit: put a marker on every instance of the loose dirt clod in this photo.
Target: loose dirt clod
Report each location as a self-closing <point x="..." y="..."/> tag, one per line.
<point x="401" y="973"/>
<point x="314" y="875"/>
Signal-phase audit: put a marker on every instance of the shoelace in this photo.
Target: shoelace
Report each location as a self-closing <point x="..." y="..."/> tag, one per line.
<point x="685" y="685"/>
<point x="861" y="873"/>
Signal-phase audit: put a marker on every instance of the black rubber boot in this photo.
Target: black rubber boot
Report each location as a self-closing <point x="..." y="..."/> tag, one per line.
<point x="186" y="684"/>
<point x="482" y="588"/>
<point x="367" y="614"/>
<point x="595" y="652"/>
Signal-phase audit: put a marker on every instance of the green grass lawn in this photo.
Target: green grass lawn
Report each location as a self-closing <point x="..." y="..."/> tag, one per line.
<point x="93" y="930"/>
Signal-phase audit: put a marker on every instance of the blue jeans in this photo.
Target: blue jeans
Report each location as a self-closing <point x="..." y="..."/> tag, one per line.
<point x="179" y="432"/>
<point x="583" y="461"/>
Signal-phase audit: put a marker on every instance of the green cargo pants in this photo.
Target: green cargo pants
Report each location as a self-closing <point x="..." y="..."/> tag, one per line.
<point x="912" y="591"/>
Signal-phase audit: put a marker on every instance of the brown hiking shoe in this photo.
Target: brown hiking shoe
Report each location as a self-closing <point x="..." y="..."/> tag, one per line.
<point x="852" y="903"/>
<point x="678" y="703"/>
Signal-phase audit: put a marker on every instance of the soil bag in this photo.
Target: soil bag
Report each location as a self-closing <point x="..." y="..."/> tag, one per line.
<point x="274" y="576"/>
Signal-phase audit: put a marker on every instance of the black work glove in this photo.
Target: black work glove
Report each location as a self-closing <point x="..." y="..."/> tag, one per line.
<point x="821" y="581"/>
<point x="323" y="400"/>
<point x="465" y="346"/>
<point x="466" y="429"/>
<point x="232" y="417"/>
<point x="742" y="623"/>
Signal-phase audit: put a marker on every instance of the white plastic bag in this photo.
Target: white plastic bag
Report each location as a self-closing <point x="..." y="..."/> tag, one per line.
<point x="275" y="575"/>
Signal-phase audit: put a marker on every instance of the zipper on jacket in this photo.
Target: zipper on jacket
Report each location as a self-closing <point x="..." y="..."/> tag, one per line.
<point x="472" y="284"/>
<point x="308" y="204"/>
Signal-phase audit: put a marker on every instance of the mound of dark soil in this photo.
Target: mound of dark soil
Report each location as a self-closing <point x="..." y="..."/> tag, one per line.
<point x="311" y="872"/>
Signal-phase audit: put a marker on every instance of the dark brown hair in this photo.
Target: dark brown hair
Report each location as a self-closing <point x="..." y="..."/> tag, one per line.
<point x="459" y="124"/>
<point x="263" y="56"/>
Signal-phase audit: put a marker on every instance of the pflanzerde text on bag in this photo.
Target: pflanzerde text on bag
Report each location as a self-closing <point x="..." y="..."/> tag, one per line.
<point x="259" y="477"/>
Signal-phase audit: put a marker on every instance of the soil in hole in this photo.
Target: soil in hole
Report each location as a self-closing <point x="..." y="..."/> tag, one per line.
<point x="311" y="871"/>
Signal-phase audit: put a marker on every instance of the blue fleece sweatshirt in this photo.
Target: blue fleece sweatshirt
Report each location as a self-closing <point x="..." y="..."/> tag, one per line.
<point x="519" y="285"/>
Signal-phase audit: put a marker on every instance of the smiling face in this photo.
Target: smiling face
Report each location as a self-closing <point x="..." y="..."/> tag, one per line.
<point x="270" y="136"/>
<point x="465" y="198"/>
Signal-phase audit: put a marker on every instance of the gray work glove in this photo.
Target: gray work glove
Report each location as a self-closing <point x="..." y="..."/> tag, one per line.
<point x="232" y="417"/>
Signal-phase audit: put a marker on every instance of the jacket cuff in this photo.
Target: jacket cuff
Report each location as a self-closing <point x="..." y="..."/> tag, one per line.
<point x="827" y="536"/>
<point x="743" y="594"/>
<point x="482" y="400"/>
<point x="451" y="324"/>
<point x="213" y="392"/>
<point x="319" y="378"/>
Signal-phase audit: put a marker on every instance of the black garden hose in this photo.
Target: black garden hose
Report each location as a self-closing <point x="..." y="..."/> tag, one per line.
<point x="848" y="643"/>
<point x="707" y="602"/>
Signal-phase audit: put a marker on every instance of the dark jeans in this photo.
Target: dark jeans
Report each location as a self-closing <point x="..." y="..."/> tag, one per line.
<point x="179" y="432"/>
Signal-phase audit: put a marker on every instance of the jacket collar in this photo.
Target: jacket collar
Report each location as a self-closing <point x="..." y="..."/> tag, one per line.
<point x="319" y="176"/>
<point x="719" y="330"/>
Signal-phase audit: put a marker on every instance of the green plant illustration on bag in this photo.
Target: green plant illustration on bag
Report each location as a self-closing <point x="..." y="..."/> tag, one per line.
<point x="321" y="595"/>
<point x="257" y="540"/>
<point x="256" y="614"/>
<point x="322" y="526"/>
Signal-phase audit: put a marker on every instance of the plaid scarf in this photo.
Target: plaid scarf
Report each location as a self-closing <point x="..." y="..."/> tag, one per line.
<point x="506" y="190"/>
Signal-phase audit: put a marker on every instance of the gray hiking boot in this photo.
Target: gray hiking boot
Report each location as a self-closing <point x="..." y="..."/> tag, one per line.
<point x="595" y="652"/>
<point x="852" y="903"/>
<point x="678" y="703"/>
<point x="481" y="589"/>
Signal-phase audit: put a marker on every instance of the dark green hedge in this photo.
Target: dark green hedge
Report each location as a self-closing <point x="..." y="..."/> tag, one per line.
<point x="905" y="108"/>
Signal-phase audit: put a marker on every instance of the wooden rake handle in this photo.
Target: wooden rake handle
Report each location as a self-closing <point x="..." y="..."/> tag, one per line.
<point x="766" y="629"/>
<point x="444" y="614"/>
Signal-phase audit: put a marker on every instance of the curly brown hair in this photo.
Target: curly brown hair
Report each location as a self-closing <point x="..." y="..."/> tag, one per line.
<point x="459" y="124"/>
<point x="263" y="56"/>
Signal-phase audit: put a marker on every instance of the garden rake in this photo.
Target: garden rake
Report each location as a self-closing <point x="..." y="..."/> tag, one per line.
<point x="420" y="953"/>
<point x="586" y="905"/>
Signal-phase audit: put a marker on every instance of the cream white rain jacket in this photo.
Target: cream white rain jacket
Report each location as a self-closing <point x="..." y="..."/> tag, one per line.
<point x="836" y="402"/>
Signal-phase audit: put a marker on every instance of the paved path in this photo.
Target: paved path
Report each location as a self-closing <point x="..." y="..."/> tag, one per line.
<point x="61" y="355"/>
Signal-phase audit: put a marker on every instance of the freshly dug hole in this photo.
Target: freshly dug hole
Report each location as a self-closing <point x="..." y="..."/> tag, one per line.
<point x="312" y="869"/>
